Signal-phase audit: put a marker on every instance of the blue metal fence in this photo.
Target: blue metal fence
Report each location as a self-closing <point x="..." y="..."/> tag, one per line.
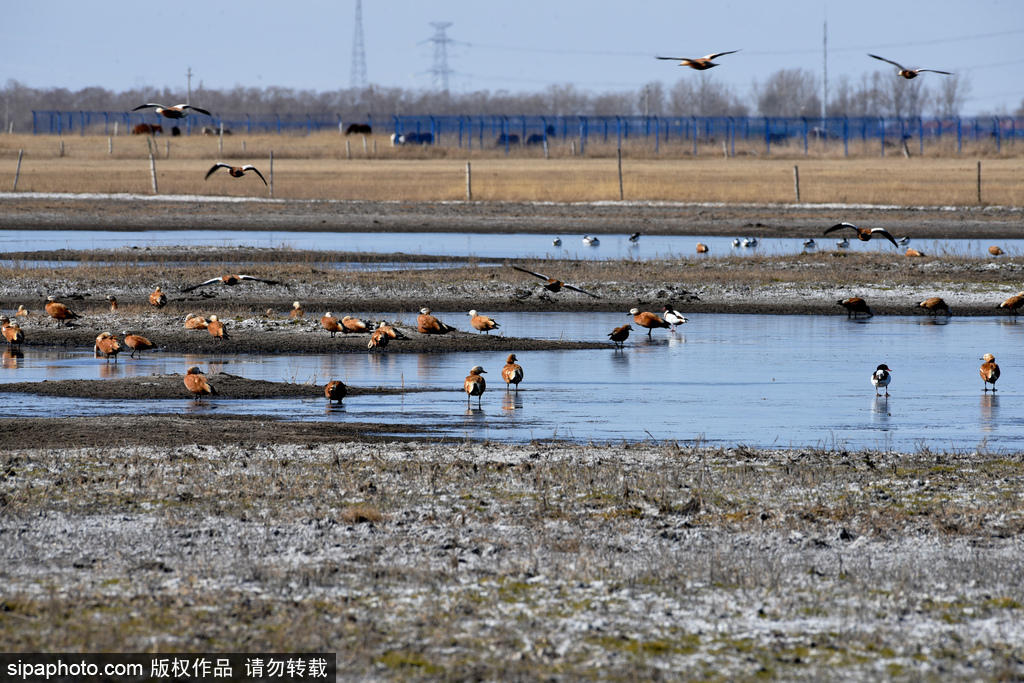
<point x="508" y="132"/>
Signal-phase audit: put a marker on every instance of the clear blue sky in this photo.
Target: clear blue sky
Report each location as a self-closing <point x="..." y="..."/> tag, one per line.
<point x="523" y="45"/>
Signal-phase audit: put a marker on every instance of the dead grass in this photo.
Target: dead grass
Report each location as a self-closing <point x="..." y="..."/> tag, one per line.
<point x="318" y="167"/>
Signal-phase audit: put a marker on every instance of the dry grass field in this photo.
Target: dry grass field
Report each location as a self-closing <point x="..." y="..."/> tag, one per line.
<point x="322" y="167"/>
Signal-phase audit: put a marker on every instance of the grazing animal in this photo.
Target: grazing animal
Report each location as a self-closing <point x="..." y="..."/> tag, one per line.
<point x="358" y="129"/>
<point x="296" y="311"/>
<point x="12" y="331"/>
<point x="995" y="251"/>
<point x="350" y="325"/>
<point x="673" y="317"/>
<point x="512" y="373"/>
<point x="503" y="139"/>
<point x="147" y="129"/>
<point x="620" y="334"/>
<point x="1013" y="303"/>
<point x="935" y="304"/>
<point x="880" y="378"/>
<point x="108" y="345"/>
<point x="534" y="139"/>
<point x="702" y="248"/>
<point x="864" y="234"/>
<point x="855" y="305"/>
<point x="59" y="312"/>
<point x="178" y="111"/>
<point x="235" y="171"/>
<point x="699" y="63"/>
<point x="335" y="391"/>
<point x="428" y="324"/>
<point x="230" y="281"/>
<point x="113" y="302"/>
<point x="475" y="385"/>
<point x="554" y="285"/>
<point x="651" y="321"/>
<point x="197" y="384"/>
<point x="908" y="73"/>
<point x="635" y="238"/>
<point x="137" y="342"/>
<point x="216" y="328"/>
<point x="22" y="312"/>
<point x="158" y="298"/>
<point x="914" y="253"/>
<point x="482" y="323"/>
<point x="330" y="323"/>
<point x="195" y="322"/>
<point x="989" y="371"/>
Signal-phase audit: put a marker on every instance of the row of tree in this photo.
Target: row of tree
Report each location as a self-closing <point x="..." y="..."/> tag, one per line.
<point x="789" y="92"/>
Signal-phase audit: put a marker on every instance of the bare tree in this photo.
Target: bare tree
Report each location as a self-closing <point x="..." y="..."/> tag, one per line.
<point x="952" y="92"/>
<point x="789" y="92"/>
<point x="702" y="96"/>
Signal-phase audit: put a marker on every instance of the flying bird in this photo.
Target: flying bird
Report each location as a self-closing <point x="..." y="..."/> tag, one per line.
<point x="230" y="281"/>
<point x="908" y="73"/>
<point x="699" y="63"/>
<point x="864" y="234"/>
<point x="989" y="371"/>
<point x="554" y="285"/>
<point x="475" y="385"/>
<point x="880" y="378"/>
<point x="178" y="111"/>
<point x="235" y="171"/>
<point x="197" y="384"/>
<point x="512" y="373"/>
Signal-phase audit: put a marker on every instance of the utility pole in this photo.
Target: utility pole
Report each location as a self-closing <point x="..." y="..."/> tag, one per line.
<point x="358" y="76"/>
<point x="188" y="100"/>
<point x="440" y="70"/>
<point x="824" y="74"/>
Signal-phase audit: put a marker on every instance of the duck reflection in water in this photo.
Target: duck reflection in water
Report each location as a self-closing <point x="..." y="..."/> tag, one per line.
<point x="880" y="408"/>
<point x="12" y="358"/>
<point x="512" y="401"/>
<point x="989" y="411"/>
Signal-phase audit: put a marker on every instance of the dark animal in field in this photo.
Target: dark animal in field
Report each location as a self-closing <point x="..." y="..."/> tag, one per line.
<point x="535" y="139"/>
<point x="412" y="139"/>
<point x="358" y="129"/>
<point x="213" y="130"/>
<point x="147" y="129"/>
<point x="511" y="139"/>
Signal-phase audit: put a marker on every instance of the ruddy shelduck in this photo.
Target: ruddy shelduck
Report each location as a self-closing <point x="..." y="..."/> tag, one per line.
<point x="673" y="317"/>
<point x="914" y="253"/>
<point x="935" y="304"/>
<point x="12" y="331"/>
<point x="700" y="63"/>
<point x="651" y="321"/>
<point x="1013" y="303"/>
<point x="428" y="324"/>
<point x="475" y="384"/>
<point x="995" y="251"/>
<point x="195" y="322"/>
<point x="702" y="248"/>
<point x="113" y="302"/>
<point x="379" y="339"/>
<point x="216" y="328"/>
<point x="350" y="325"/>
<point x="136" y="342"/>
<point x="620" y="334"/>
<point x="855" y="306"/>
<point x="158" y="299"/>
<point x="554" y="285"/>
<point x="59" y="312"/>
<point x="330" y="323"/>
<point x="22" y="312"/>
<point x="482" y="323"/>
<point x="989" y="371"/>
<point x="908" y="73"/>
<point x="296" y="311"/>
<point x="864" y="234"/>
<point x="512" y="373"/>
<point x="230" y="281"/>
<point x="178" y="111"/>
<point x="235" y="171"/>
<point x="197" y="384"/>
<point x="880" y="378"/>
<point x="108" y="345"/>
<point x="335" y="391"/>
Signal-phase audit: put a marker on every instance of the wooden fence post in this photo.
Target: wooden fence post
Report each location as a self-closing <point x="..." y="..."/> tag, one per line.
<point x="469" y="183"/>
<point x="796" y="182"/>
<point x="621" y="195"/>
<point x="152" y="171"/>
<point x="979" y="182"/>
<point x="271" y="174"/>
<point x="17" y="172"/>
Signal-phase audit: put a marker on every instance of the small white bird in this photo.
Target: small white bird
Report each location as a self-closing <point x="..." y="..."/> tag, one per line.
<point x="750" y="242"/>
<point x="904" y="241"/>
<point x="843" y="243"/>
<point x="880" y="378"/>
<point x="736" y="242"/>
<point x="557" y="241"/>
<point x="634" y="238"/>
<point x="673" y="317"/>
<point x="591" y="241"/>
<point x="809" y="243"/>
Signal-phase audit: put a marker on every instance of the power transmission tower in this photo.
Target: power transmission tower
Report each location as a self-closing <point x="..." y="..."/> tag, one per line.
<point x="358" y="77"/>
<point x="440" y="70"/>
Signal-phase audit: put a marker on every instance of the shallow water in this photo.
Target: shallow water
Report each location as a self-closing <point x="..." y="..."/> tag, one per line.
<point x="765" y="381"/>
<point x="490" y="246"/>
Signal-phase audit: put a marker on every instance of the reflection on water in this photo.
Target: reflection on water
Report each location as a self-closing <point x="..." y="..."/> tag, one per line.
<point x="725" y="379"/>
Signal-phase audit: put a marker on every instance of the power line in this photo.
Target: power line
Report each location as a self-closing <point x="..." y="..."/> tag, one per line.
<point x="358" y="76"/>
<point x="440" y="70"/>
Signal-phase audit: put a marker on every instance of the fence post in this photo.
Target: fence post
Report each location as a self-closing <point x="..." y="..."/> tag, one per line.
<point x="796" y="182"/>
<point x="152" y="171"/>
<point x="271" y="174"/>
<point x="469" y="183"/>
<point x="979" y="182"/>
<point x="348" y="149"/>
<point x="17" y="171"/>
<point x="621" y="196"/>
<point x="110" y="145"/>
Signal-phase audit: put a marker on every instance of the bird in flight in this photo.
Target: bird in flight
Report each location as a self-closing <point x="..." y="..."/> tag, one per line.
<point x="554" y="285"/>
<point x="178" y="111"/>
<point x="908" y="73"/>
<point x="864" y="234"/>
<point x="699" y="63"/>
<point x="235" y="171"/>
<point x="230" y="281"/>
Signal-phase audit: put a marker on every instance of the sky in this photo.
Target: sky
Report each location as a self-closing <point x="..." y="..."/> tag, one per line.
<point x="519" y="46"/>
